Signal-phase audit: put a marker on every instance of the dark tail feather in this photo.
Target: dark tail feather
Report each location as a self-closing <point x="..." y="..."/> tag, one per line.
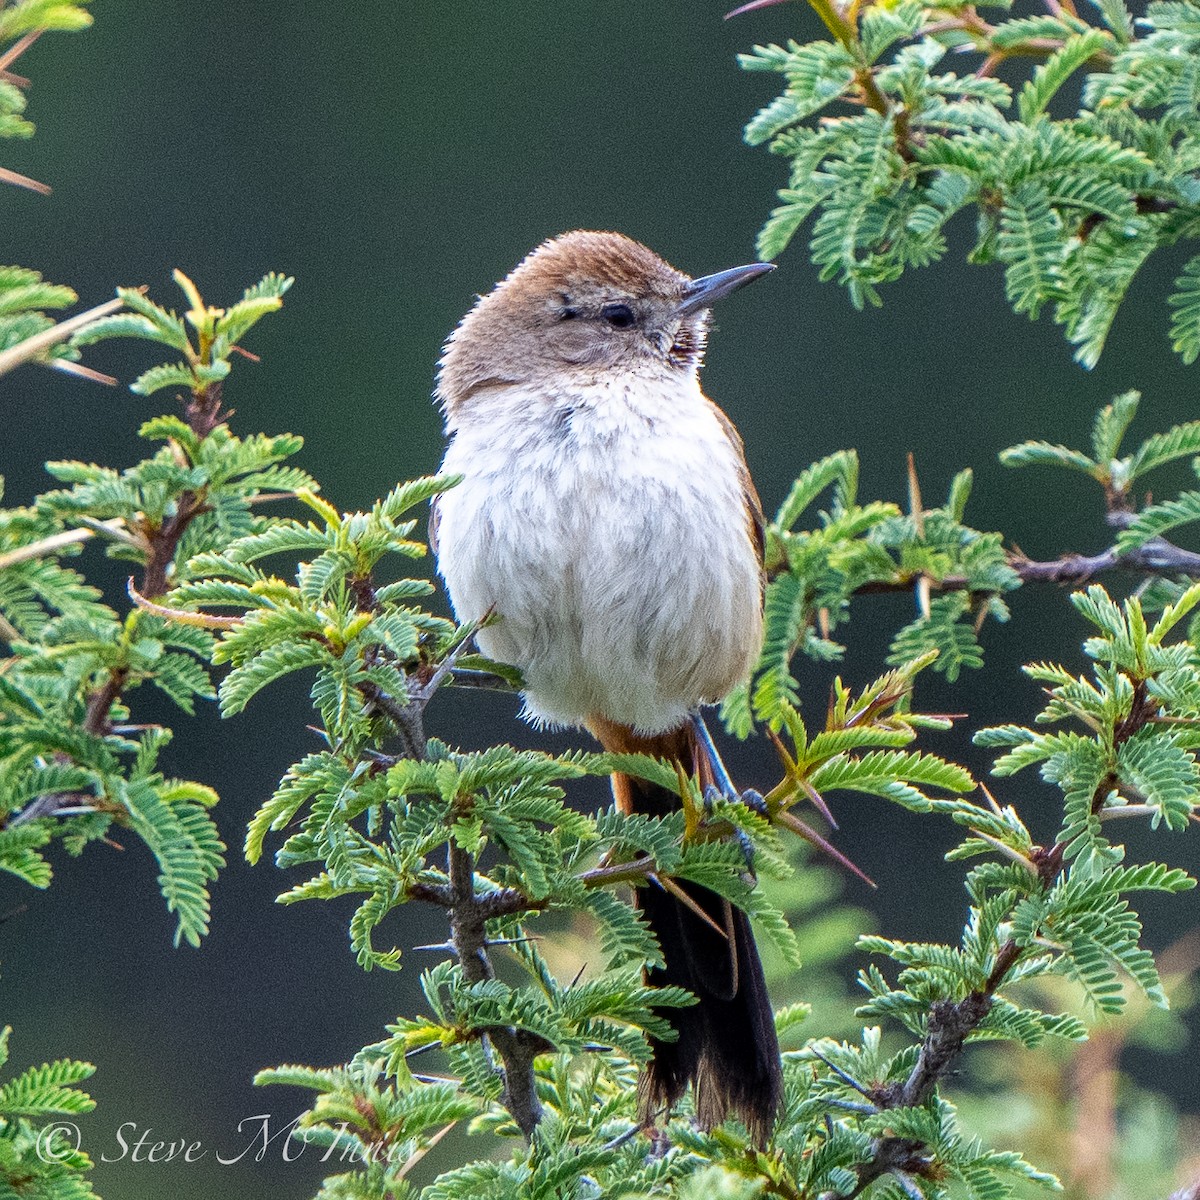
<point x="726" y="1048"/>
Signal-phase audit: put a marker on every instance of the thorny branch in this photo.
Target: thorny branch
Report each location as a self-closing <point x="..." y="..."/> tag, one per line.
<point x="161" y="542"/>
<point x="468" y="910"/>
<point x="950" y="1022"/>
<point x="39" y="343"/>
<point x="1155" y="557"/>
<point x="203" y="416"/>
<point x="468" y="935"/>
<point x="841" y="20"/>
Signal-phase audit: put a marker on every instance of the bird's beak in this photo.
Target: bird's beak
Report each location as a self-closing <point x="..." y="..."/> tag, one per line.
<point x="708" y="289"/>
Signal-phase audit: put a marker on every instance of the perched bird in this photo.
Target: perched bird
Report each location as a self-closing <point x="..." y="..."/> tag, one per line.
<point x="607" y="518"/>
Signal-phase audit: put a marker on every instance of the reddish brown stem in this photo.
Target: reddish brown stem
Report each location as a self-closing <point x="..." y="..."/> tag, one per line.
<point x="100" y="702"/>
<point x="204" y="414"/>
<point x="164" y="542"/>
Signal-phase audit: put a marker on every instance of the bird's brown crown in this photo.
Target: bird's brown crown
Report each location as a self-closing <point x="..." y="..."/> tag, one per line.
<point x="582" y="304"/>
<point x="603" y="261"/>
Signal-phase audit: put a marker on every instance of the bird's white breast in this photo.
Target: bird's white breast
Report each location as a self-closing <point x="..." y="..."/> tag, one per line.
<point x="607" y="527"/>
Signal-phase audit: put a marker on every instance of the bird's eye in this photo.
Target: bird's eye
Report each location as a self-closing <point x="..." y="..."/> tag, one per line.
<point x="567" y="314"/>
<point x="619" y="316"/>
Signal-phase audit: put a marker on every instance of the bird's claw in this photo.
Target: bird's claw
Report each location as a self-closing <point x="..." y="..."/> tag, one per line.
<point x="723" y="789"/>
<point x="711" y="795"/>
<point x="752" y="800"/>
<point x="755" y="802"/>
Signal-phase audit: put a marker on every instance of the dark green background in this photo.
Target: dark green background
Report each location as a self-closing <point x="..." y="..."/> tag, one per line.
<point x="398" y="158"/>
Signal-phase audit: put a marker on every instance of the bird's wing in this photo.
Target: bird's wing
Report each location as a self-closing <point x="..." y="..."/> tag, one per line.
<point x="755" y="521"/>
<point x="435" y="519"/>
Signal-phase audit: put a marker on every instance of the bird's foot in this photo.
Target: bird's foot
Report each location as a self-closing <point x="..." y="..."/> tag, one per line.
<point x="723" y="788"/>
<point x="752" y="800"/>
<point x="756" y="803"/>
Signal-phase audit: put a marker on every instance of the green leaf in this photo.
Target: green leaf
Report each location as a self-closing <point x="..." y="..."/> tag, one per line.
<point x="839" y="470"/>
<point x="281" y="537"/>
<point x="47" y="1089"/>
<point x="273" y="662"/>
<point x="884" y="772"/>
<point x="960" y="493"/>
<point x="178" y="375"/>
<point x="1185" y="312"/>
<point x="171" y="330"/>
<point x="818" y="74"/>
<point x="1056" y="70"/>
<point x="183" y="839"/>
<point x="943" y="630"/>
<point x="1150" y="877"/>
<point x="264" y="298"/>
<point x="1159" y="769"/>
<point x="1181" y="441"/>
<point x="1044" y="454"/>
<point x="784" y="616"/>
<point x="1111" y="423"/>
<point x="1158" y="519"/>
<point x="20" y="844"/>
<point x="1030" y="244"/>
<point x="37" y="15"/>
<point x="122" y="324"/>
<point x="785" y="219"/>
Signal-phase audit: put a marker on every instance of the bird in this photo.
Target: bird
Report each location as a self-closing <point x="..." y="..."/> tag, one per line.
<point x="608" y="537"/>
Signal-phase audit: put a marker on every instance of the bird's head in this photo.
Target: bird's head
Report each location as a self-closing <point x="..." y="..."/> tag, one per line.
<point x="584" y="305"/>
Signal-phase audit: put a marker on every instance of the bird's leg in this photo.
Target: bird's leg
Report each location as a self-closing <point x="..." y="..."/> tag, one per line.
<point x="724" y="786"/>
<point x="704" y="742"/>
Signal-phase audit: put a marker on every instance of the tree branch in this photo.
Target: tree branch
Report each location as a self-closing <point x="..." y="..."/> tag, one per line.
<point x="950" y="1022"/>
<point x="468" y="934"/>
<point x="159" y="544"/>
<point x="164" y="541"/>
<point x="1155" y="557"/>
<point x="406" y="717"/>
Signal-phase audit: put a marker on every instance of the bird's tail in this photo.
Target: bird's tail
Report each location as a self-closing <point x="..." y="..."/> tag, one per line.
<point x="726" y="1048"/>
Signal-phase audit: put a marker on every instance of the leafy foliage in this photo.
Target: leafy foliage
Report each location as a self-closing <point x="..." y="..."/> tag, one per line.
<point x="856" y="549"/>
<point x="383" y="813"/>
<point x="1141" y="541"/>
<point x="24" y="299"/>
<point x="1071" y="208"/>
<point x="1115" y="473"/>
<point x="27" y="19"/>
<point x="36" y="1156"/>
<point x="1035" y="911"/>
<point x="25" y="296"/>
<point x="1134" y="759"/>
<point x="72" y="762"/>
<point x="860" y="548"/>
<point x="217" y="332"/>
<point x="380" y="826"/>
<point x="1072" y="193"/>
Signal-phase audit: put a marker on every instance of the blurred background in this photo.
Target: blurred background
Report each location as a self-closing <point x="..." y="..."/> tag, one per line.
<point x="398" y="159"/>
